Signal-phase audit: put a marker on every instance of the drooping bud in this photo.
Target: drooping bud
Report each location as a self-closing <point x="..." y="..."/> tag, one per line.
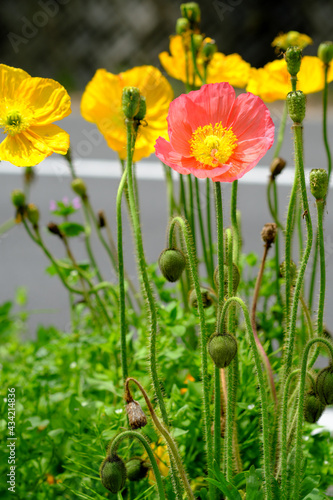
<point x="319" y="183"/>
<point x="136" y="416"/>
<point x="235" y="278"/>
<point x="277" y="166"/>
<point x="207" y="296"/>
<point x="324" y="385"/>
<point x="293" y="271"/>
<point x="18" y="198"/>
<point x="142" y="109"/>
<point x="137" y="469"/>
<point x="130" y="101"/>
<point x="182" y="25"/>
<point x="79" y="187"/>
<point x="113" y="473"/>
<point x="296" y="106"/>
<point x="191" y="11"/>
<point x="172" y="263"/>
<point x="325" y="52"/>
<point x="54" y="229"/>
<point x="293" y="59"/>
<point x="33" y="214"/>
<point x="268" y="233"/>
<point x="313" y="407"/>
<point x="209" y="48"/>
<point x="222" y="349"/>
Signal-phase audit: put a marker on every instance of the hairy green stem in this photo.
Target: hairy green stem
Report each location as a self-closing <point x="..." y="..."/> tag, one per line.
<point x="234" y="222"/>
<point x="202" y="231"/>
<point x="209" y="226"/>
<point x="325" y="136"/>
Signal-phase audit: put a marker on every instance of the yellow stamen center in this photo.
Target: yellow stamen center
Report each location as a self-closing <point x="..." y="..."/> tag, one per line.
<point x="15" y="117"/>
<point x="213" y="145"/>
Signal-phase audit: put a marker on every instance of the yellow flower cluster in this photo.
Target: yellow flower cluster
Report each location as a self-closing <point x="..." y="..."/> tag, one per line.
<point x="292" y="38"/>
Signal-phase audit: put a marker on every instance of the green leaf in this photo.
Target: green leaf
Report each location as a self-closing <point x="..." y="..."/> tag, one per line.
<point x="254" y="489"/>
<point x="71" y="228"/>
<point x="309" y="484"/>
<point x="315" y="495"/>
<point x="227" y="488"/>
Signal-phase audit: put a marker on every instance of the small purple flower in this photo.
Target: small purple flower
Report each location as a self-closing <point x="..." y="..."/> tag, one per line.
<point x="53" y="205"/>
<point x="65" y="200"/>
<point x="76" y="203"/>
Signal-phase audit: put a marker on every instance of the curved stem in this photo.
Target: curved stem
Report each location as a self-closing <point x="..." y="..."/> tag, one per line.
<point x="262" y="391"/>
<point x="298" y="446"/>
<point x="171" y="443"/>
<point x="133" y="434"/>
<point x="204" y="362"/>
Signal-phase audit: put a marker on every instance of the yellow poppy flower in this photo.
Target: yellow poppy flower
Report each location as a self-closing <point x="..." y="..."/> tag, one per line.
<point x="101" y="104"/>
<point x="232" y="69"/>
<point x="272" y="82"/>
<point x="28" y="106"/>
<point x="292" y="38"/>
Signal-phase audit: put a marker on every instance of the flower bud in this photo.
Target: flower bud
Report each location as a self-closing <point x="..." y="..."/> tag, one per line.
<point x="222" y="349"/>
<point x="142" y="109"/>
<point x="268" y="233"/>
<point x="296" y="106"/>
<point x="293" y="59"/>
<point x="79" y="187"/>
<point x="191" y="11"/>
<point x="293" y="271"/>
<point x="209" y="48"/>
<point x="324" y="385"/>
<point x="235" y="278"/>
<point x="29" y="175"/>
<point x="130" y="101"/>
<point x="137" y="469"/>
<point x="172" y="263"/>
<point x="136" y="416"/>
<point x="182" y="25"/>
<point x="207" y="297"/>
<point x="113" y="473"/>
<point x="313" y="408"/>
<point x="319" y="183"/>
<point x="277" y="166"/>
<point x="197" y="42"/>
<point x="54" y="229"/>
<point x="325" y="52"/>
<point x="18" y="198"/>
<point x="33" y="214"/>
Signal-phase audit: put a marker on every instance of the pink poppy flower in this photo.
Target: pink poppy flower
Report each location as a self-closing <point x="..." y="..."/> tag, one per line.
<point x="214" y="134"/>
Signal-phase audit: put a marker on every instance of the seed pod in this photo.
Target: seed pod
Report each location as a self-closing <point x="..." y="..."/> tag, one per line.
<point x="313" y="407"/>
<point x="222" y="349"/>
<point x="235" y="278"/>
<point x="296" y="106"/>
<point x="113" y="473"/>
<point x="136" y="416"/>
<point x="130" y="101"/>
<point x="293" y="59"/>
<point x="137" y="469"/>
<point x="319" y="183"/>
<point x="172" y="263"/>
<point x="79" y="187"/>
<point x="207" y="297"/>
<point x="18" y="198"/>
<point x="324" y="385"/>
<point x="268" y="233"/>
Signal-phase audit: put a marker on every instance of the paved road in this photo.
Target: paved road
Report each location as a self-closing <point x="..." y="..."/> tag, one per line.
<point x="24" y="264"/>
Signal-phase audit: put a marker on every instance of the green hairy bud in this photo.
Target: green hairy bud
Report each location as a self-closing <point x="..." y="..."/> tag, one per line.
<point x="313" y="408"/>
<point x="182" y="25"/>
<point x="142" y="109"/>
<point x="137" y="469"/>
<point x="319" y="183"/>
<point x="18" y="198"/>
<point x="113" y="473"/>
<point x="222" y="349"/>
<point x="207" y="297"/>
<point x="79" y="187"/>
<point x="131" y="101"/>
<point x="296" y="106"/>
<point x="324" y="385"/>
<point x="33" y="214"/>
<point x="325" y="52"/>
<point x="172" y="263"/>
<point x="191" y="11"/>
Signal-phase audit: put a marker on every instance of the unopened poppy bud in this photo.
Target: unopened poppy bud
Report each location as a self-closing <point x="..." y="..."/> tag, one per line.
<point x="113" y="473"/>
<point x="296" y="106"/>
<point x="197" y="42"/>
<point x="235" y="278"/>
<point x="172" y="263"/>
<point x="54" y="229"/>
<point x="293" y="271"/>
<point x="293" y="59"/>
<point x="182" y="25"/>
<point x="142" y="109"/>
<point x="33" y="214"/>
<point x="325" y="52"/>
<point x="268" y="233"/>
<point x="324" y="385"/>
<point x="130" y="101"/>
<point x="136" y="416"/>
<point x="319" y="183"/>
<point x="137" y="469"/>
<point x="209" y="48"/>
<point x="191" y="11"/>
<point x="18" y="198"/>
<point x="79" y="187"/>
<point x="222" y="349"/>
<point x="313" y="408"/>
<point x="207" y="297"/>
<point x="277" y="166"/>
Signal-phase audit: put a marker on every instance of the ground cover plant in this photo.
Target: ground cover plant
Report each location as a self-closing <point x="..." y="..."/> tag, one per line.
<point x="199" y="381"/>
